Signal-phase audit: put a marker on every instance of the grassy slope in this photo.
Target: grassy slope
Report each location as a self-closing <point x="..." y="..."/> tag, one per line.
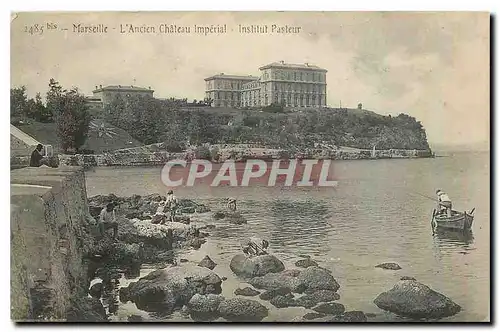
<point x="46" y="134"/>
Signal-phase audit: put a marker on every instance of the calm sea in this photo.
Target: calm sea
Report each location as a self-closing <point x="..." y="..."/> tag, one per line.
<point x="374" y="215"/>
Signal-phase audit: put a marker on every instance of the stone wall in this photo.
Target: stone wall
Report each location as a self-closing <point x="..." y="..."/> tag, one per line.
<point x="50" y="235"/>
<point x="159" y="158"/>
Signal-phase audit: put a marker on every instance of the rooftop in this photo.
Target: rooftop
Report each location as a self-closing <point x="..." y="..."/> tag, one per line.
<point x="284" y="65"/>
<point x="122" y="88"/>
<point x="233" y="77"/>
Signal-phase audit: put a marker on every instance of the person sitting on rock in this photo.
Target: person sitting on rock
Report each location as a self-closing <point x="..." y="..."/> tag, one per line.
<point x="255" y="246"/>
<point x="171" y="203"/>
<point x="160" y="216"/>
<point x="107" y="220"/>
<point x="231" y="204"/>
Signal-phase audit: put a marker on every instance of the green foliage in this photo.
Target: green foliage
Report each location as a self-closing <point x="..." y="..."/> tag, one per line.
<point x="151" y="120"/>
<point x="23" y="108"/>
<point x="71" y="115"/>
<point x="274" y="108"/>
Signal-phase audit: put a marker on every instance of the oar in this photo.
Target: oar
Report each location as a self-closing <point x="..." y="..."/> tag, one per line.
<point x="428" y="197"/>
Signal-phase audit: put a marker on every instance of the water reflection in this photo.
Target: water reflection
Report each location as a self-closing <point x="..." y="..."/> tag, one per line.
<point x="299" y="223"/>
<point x="454" y="238"/>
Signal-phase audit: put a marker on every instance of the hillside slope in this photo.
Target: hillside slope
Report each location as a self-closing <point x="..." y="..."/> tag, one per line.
<point x="102" y="136"/>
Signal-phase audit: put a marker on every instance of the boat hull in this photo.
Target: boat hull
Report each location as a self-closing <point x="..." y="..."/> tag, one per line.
<point x="458" y="221"/>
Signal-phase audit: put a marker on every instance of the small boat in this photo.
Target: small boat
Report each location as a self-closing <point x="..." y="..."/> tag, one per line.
<point x="457" y="221"/>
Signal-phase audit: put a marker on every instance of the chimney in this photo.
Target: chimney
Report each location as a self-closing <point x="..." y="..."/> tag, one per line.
<point x="307" y="64"/>
<point x="119" y="86"/>
<point x="360" y="106"/>
<point x="100" y="86"/>
<point x="282" y="62"/>
<point x="96" y="87"/>
<point x="149" y="87"/>
<point x="222" y="73"/>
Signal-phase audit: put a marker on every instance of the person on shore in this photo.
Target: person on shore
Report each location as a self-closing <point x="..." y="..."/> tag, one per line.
<point x="444" y="203"/>
<point x="231" y="204"/>
<point x="255" y="246"/>
<point x="171" y="204"/>
<point x="107" y="220"/>
<point x="160" y="216"/>
<point x="36" y="159"/>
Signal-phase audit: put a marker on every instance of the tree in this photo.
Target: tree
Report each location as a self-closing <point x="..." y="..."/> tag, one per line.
<point x="71" y="115"/>
<point x="38" y="110"/>
<point x="18" y="103"/>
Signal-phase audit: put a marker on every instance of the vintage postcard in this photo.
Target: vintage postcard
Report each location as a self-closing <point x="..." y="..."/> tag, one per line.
<point x="250" y="167"/>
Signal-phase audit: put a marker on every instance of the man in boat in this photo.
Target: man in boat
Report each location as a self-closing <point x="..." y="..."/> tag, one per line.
<point x="255" y="246"/>
<point x="444" y="203"/>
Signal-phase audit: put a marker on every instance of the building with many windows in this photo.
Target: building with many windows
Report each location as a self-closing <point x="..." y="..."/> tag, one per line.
<point x="225" y="90"/>
<point x="110" y="92"/>
<point x="292" y="85"/>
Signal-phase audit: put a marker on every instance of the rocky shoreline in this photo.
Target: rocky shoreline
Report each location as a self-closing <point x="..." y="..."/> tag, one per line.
<point x="194" y="290"/>
<point x="148" y="156"/>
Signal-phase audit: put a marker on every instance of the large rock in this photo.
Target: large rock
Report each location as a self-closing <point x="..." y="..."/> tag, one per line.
<point x="247" y="291"/>
<point x="283" y="301"/>
<point x="256" y="266"/>
<point x="235" y="218"/>
<point x="313" y="315"/>
<point x="208" y="263"/>
<point x="389" y="266"/>
<point x="318" y="278"/>
<point x="350" y="317"/>
<point x="204" y="304"/>
<point x="278" y="280"/>
<point x="270" y="294"/>
<point x="310" y="300"/>
<point x="331" y="308"/>
<point x="242" y="310"/>
<point x="308" y="280"/>
<point x="305" y="263"/>
<point x="127" y="254"/>
<point x="407" y="278"/>
<point x="219" y="215"/>
<point x="410" y="298"/>
<point x="87" y="309"/>
<point x="164" y="289"/>
<point x="140" y="231"/>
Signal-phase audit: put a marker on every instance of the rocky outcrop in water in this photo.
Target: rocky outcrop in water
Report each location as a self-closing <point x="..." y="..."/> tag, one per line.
<point x="312" y="299"/>
<point x="389" y="266"/>
<point x="351" y="317"/>
<point x="244" y="266"/>
<point x="165" y="289"/>
<point x="142" y="207"/>
<point x="232" y="217"/>
<point x="87" y="309"/>
<point x="205" y="304"/>
<point x="313" y="315"/>
<point x="276" y="280"/>
<point x="242" y="310"/>
<point x="305" y="263"/>
<point x="407" y="278"/>
<point x="270" y="294"/>
<point x="412" y="299"/>
<point x="208" y="263"/>
<point x="247" y="291"/>
<point x="318" y="278"/>
<point x="331" y="308"/>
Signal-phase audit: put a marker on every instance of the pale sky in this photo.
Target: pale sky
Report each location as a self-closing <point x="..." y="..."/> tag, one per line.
<point x="434" y="67"/>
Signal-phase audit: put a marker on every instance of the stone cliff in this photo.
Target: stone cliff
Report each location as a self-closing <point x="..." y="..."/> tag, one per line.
<point x="50" y="236"/>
